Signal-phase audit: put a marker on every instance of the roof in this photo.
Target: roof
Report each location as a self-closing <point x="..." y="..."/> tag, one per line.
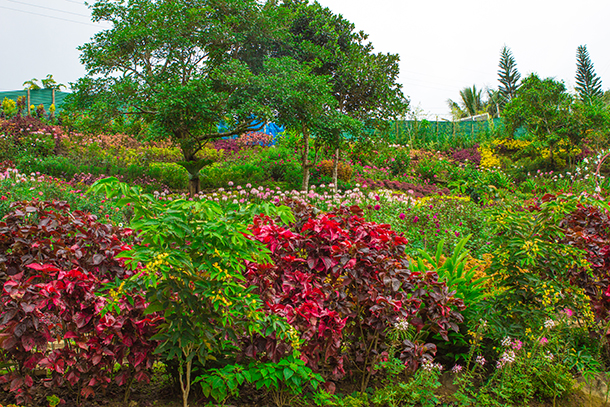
<point x="37" y="97"/>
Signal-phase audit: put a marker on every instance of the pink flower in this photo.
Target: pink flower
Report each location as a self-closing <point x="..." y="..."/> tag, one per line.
<point x="568" y="312"/>
<point x="377" y="207"/>
<point x="543" y="341"/>
<point x="377" y="197"/>
<point x="401" y="216"/>
<point x="230" y="183"/>
<point x="415" y="219"/>
<point x="457" y="234"/>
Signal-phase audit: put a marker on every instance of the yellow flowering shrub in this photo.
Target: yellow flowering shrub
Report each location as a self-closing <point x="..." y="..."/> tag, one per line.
<point x="488" y="159"/>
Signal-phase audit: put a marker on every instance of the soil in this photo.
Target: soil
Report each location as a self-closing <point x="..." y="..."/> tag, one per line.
<point x="160" y="393"/>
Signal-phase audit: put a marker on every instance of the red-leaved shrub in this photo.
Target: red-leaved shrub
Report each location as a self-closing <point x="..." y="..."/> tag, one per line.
<point x="52" y="263"/>
<point x="341" y="282"/>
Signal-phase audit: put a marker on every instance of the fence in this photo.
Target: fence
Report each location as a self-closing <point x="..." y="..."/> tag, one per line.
<point x="442" y="134"/>
<point x="38" y="97"/>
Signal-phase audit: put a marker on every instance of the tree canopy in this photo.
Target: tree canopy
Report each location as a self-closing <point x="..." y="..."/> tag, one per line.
<point x="181" y="67"/>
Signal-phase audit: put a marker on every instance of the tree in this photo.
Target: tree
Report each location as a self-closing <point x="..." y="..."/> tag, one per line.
<point x="180" y="66"/>
<point x="588" y="84"/>
<point x="303" y="102"/>
<point x="50" y="83"/>
<point x="32" y="84"/>
<point x="508" y="76"/>
<point x="363" y="83"/>
<point x="544" y="109"/>
<point x="470" y="103"/>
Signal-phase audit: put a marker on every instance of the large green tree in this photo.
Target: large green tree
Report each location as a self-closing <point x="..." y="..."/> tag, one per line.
<point x="544" y="108"/>
<point x="362" y="83"/>
<point x="179" y="66"/>
<point x="588" y="84"/>
<point x="508" y="75"/>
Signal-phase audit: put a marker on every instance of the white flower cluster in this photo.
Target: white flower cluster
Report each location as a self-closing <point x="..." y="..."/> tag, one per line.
<point x="402" y="325"/>
<point x="507" y="358"/>
<point x="480" y="360"/>
<point x="428" y="366"/>
<point x="549" y="324"/>
<point x="506" y="342"/>
<point x="549" y="355"/>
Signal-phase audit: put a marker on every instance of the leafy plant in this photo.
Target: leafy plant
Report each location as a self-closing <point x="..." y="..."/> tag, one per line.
<point x="194" y="253"/>
<point x="53" y="262"/>
<point x="341" y="281"/>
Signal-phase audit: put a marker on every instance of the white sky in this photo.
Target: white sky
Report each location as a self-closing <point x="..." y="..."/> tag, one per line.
<point x="444" y="45"/>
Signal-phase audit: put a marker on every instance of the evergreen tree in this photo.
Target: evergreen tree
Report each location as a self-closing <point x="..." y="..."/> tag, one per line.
<point x="509" y="76"/>
<point x="588" y="84"/>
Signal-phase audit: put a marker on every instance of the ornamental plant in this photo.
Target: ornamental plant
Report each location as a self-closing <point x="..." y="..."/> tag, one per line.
<point x="588" y="229"/>
<point x="531" y="260"/>
<point x="53" y="262"/>
<point x="341" y="282"/>
<point x="193" y="254"/>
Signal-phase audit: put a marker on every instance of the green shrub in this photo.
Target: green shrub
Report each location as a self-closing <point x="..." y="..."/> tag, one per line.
<point x="170" y="174"/>
<point x="56" y="166"/>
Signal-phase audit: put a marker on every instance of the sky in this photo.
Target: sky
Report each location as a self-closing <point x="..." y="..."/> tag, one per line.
<point x="444" y="45"/>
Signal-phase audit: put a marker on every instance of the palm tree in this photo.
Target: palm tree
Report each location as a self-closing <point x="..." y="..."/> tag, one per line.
<point x="470" y="104"/>
<point x="32" y="84"/>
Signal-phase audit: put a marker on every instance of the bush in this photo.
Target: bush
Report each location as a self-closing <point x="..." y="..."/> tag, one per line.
<point x="170" y="174"/>
<point x="54" y="261"/>
<point x="344" y="170"/>
<point x="341" y="282"/>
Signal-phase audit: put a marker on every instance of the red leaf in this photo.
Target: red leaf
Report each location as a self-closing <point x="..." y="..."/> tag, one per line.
<point x="87" y="391"/>
<point x="16" y="383"/>
<point x="70" y="335"/>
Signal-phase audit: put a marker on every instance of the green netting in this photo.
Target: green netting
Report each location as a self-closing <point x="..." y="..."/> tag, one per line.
<point x="37" y="97"/>
<point x="443" y="134"/>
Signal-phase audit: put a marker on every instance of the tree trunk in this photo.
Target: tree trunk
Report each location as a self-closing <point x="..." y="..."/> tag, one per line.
<point x="305" y="159"/>
<point x="193" y="184"/>
<point x="336" y="169"/>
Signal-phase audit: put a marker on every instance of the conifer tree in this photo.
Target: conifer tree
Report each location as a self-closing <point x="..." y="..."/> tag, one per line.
<point x="588" y="84"/>
<point x="508" y="76"/>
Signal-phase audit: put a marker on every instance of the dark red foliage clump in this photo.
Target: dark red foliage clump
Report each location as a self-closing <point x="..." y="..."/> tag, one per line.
<point x="467" y="155"/>
<point x="341" y="282"/>
<point x="588" y="228"/>
<point x="52" y="263"/>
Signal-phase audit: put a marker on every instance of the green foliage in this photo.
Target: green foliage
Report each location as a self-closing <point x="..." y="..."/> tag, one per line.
<point x="534" y="267"/>
<point x="544" y="109"/>
<point x="170" y="174"/>
<point x="194" y="253"/>
<point x="418" y="390"/>
<point x="533" y="368"/>
<point x="508" y="76"/>
<point x="452" y="270"/>
<point x="588" y="84"/>
<point x="470" y="103"/>
<point x="136" y="57"/>
<point x="285" y="379"/>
